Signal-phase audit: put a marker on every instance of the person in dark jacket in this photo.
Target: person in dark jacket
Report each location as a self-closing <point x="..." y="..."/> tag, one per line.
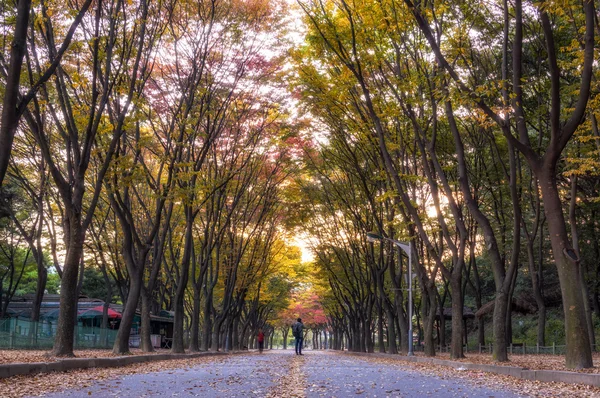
<point x="298" y="332"/>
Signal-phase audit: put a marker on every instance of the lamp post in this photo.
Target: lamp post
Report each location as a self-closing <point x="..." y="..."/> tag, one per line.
<point x="372" y="237"/>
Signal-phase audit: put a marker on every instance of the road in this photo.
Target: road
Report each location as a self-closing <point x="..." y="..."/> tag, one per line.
<point x="283" y="374"/>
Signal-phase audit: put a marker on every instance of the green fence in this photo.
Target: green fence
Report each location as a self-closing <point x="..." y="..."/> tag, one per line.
<point x="23" y="334"/>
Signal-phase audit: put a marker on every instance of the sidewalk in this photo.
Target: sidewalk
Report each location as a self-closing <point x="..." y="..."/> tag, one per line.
<point x="34" y="362"/>
<point x="584" y="376"/>
<point x="528" y="361"/>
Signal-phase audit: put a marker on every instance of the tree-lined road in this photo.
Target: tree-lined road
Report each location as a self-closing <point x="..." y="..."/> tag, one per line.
<point x="281" y="373"/>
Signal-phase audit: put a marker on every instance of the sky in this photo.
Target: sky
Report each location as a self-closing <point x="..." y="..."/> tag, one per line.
<point x="301" y="240"/>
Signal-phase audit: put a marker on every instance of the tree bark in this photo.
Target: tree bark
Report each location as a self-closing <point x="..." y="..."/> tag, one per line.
<point x="575" y="241"/>
<point x="195" y="332"/>
<point x="10" y="113"/>
<point x="578" y="354"/>
<point x="121" y="345"/>
<point x="65" y="331"/>
<point x="178" y="330"/>
<point x="429" y="320"/>
<point x="145" y="327"/>
<point x="206" y="333"/>
<point x="456" y="349"/>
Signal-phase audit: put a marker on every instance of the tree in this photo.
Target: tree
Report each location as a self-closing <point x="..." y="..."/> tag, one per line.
<point x="14" y="104"/>
<point x="543" y="161"/>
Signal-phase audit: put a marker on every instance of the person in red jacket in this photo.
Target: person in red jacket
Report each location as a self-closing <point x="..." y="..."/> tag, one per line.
<point x="261" y="340"/>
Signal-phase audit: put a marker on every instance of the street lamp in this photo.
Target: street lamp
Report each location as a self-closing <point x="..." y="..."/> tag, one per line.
<point x="372" y="237"/>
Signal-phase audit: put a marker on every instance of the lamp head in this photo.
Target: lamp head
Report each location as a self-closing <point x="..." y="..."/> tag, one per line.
<point x="373" y="237"/>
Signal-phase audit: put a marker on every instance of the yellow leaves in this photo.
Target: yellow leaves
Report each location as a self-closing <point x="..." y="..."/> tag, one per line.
<point x="386" y="196"/>
<point x="583" y="165"/>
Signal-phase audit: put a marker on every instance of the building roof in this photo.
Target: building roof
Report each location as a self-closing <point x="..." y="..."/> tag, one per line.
<point x="20" y="307"/>
<point x="518" y="305"/>
<point x="467" y="313"/>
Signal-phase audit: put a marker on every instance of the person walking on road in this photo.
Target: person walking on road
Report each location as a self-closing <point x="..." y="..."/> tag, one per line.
<point x="298" y="332"/>
<point x="261" y="340"/>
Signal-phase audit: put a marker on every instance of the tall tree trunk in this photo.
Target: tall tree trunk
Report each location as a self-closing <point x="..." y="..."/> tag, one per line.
<point x="285" y="333"/>
<point x="596" y="246"/>
<point x="236" y="331"/>
<point x="105" y="307"/>
<point x="567" y="263"/>
<point x="478" y="301"/>
<point x="442" y="321"/>
<point x="67" y="316"/>
<point x="402" y="321"/>
<point x="206" y="332"/>
<point x="508" y="316"/>
<point x="178" y="329"/>
<point x="145" y="327"/>
<point x="10" y="113"/>
<point x="216" y="332"/>
<point x="456" y="349"/>
<point x="195" y="333"/>
<point x="537" y="294"/>
<point x="429" y="320"/>
<point x="391" y="329"/>
<point x="121" y="345"/>
<point x="380" y="340"/>
<point x="575" y="240"/>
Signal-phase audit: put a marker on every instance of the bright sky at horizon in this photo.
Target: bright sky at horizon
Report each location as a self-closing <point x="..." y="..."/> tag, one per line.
<point x="301" y="240"/>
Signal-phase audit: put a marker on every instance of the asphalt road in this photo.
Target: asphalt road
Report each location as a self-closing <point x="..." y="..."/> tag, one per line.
<point x="344" y="376"/>
<point x="283" y="374"/>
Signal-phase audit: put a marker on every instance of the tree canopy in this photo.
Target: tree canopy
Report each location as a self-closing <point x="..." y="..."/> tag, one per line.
<point x="164" y="154"/>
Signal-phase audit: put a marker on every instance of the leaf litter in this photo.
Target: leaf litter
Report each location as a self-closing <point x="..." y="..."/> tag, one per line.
<point x="43" y="383"/>
<point x="495" y="381"/>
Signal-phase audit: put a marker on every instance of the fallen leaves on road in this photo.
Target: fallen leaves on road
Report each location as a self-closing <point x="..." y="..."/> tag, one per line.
<point x="29" y="356"/>
<point x="293" y="382"/>
<point x="35" y="385"/>
<point x="500" y="382"/>
<point x="530" y="361"/>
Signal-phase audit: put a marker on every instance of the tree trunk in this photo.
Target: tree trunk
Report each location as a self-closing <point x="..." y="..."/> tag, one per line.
<point x="106" y="306"/>
<point x="39" y="295"/>
<point x="10" y="113"/>
<point x="509" y="308"/>
<point x="121" y="345"/>
<point x="537" y="294"/>
<point x="236" y="334"/>
<point x="577" y="339"/>
<point x="442" y="325"/>
<point x="194" y="338"/>
<point x="215" y="335"/>
<point x="67" y="316"/>
<point x="429" y="321"/>
<point x="391" y="328"/>
<point x="501" y="305"/>
<point x="206" y="332"/>
<point x="178" y="330"/>
<point x="478" y="302"/>
<point x="145" y="327"/>
<point x="457" y="319"/>
<point x="402" y="321"/>
<point x="575" y="240"/>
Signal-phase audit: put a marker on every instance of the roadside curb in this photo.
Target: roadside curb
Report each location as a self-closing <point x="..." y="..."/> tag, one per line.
<point x="15" y="369"/>
<point x="590" y="379"/>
